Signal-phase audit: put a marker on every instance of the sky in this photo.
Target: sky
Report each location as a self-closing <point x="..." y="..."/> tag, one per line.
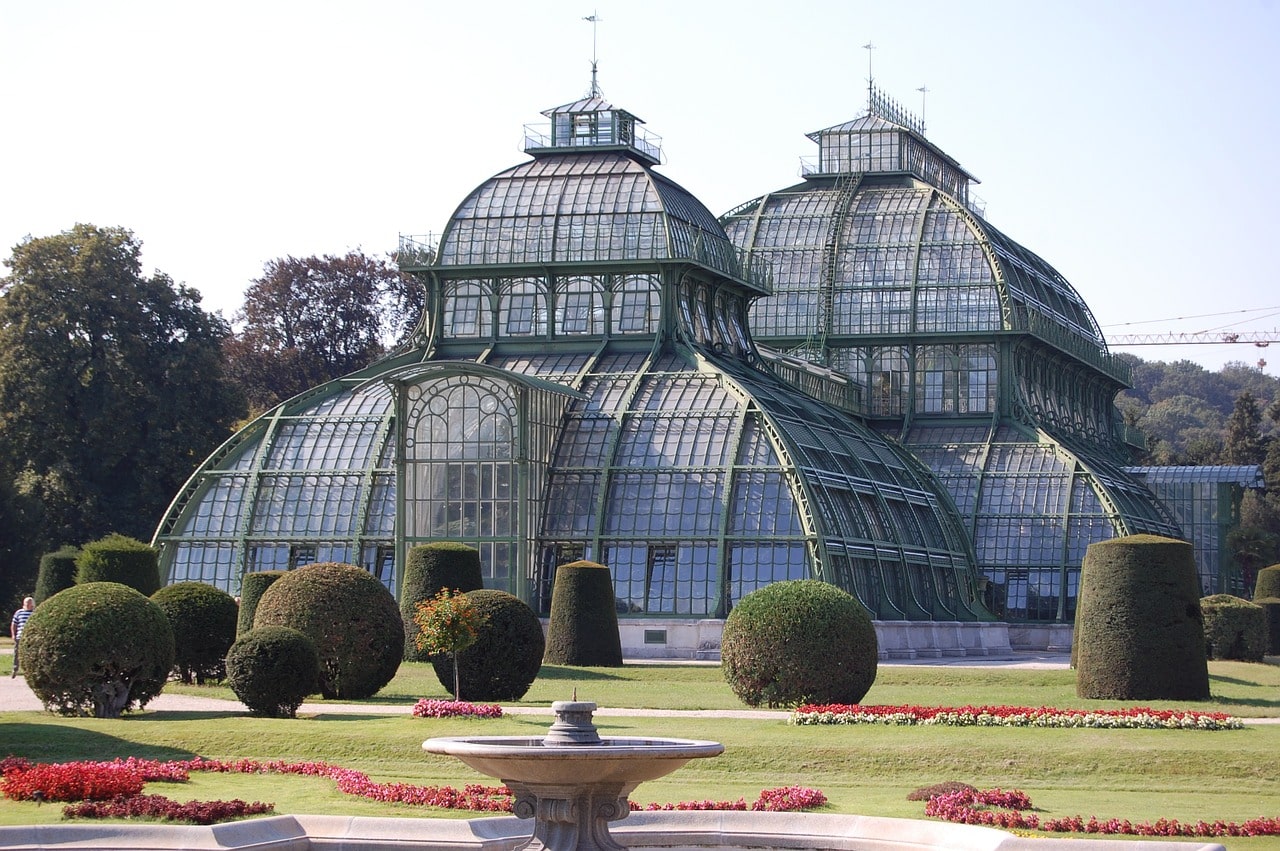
<point x="1130" y="144"/>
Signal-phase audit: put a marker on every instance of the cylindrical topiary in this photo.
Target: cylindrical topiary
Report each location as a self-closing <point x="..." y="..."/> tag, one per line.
<point x="203" y="619"/>
<point x="1139" y="629"/>
<point x="272" y="669"/>
<point x="505" y="658"/>
<point x="252" y="587"/>
<point x="57" y="573"/>
<point x="799" y="641"/>
<point x="1271" y="610"/>
<point x="1234" y="628"/>
<point x="351" y="617"/>
<point x="119" y="558"/>
<point x="583" y="628"/>
<point x="1268" y="582"/>
<point x="97" y="649"/>
<point x="428" y="569"/>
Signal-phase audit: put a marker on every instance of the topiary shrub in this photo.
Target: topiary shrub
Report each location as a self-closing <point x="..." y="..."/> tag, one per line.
<point x="428" y="569"/>
<point x="203" y="619"/>
<point x="1234" y="628"/>
<point x="1267" y="583"/>
<point x="252" y="587"/>
<point x="57" y="573"/>
<point x="507" y="653"/>
<point x="583" y="626"/>
<point x="1139" y="631"/>
<point x="1271" y="610"/>
<point x="799" y="641"/>
<point x="118" y="558"/>
<point x="97" y="649"/>
<point x="272" y="669"/>
<point x="351" y="617"/>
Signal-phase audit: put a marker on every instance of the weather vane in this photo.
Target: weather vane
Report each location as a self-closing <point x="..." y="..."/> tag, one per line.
<point x="594" y="20"/>
<point x="868" y="47"/>
<point x="924" y="93"/>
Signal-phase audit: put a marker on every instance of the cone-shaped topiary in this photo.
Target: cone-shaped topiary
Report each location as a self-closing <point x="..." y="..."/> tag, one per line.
<point x="799" y="641"/>
<point x="351" y="617"/>
<point x="203" y="619"/>
<point x="119" y="558"/>
<point x="252" y="587"/>
<point x="1139" y="632"/>
<point x="57" y="573"/>
<point x="97" y="649"/>
<point x="583" y="627"/>
<point x="428" y="569"/>
<point x="273" y="669"/>
<point x="1271" y="609"/>
<point x="505" y="658"/>
<point x="1234" y="628"/>
<point x="1267" y="584"/>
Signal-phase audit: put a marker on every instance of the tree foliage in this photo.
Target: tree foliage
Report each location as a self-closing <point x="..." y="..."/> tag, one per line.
<point x="448" y="623"/>
<point x="308" y="320"/>
<point x="111" y="387"/>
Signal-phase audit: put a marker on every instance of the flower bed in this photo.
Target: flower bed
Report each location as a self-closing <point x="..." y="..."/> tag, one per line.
<point x="969" y="807"/>
<point x="430" y="708"/>
<point x="1015" y="716"/>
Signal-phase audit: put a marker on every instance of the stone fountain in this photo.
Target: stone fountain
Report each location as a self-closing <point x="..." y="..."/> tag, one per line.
<point x="572" y="782"/>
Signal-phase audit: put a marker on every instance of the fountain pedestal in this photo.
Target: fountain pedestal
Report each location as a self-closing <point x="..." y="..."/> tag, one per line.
<point x="572" y="782"/>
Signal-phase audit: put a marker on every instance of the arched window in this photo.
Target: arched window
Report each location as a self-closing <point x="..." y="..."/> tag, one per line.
<point x="580" y="307"/>
<point x="636" y="305"/>
<point x="522" y="309"/>
<point x="887" y="380"/>
<point x="468" y="310"/>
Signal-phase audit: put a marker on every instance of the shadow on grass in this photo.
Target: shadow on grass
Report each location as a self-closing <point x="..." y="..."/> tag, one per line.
<point x="555" y="672"/>
<point x="37" y="741"/>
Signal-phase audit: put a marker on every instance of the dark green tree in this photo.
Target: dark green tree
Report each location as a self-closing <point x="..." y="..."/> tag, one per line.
<point x="1243" y="442"/>
<point x="111" y="386"/>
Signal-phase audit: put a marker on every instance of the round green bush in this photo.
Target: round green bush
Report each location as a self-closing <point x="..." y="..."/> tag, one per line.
<point x="583" y="628"/>
<point x="507" y="653"/>
<point x="1268" y="582"/>
<point x="203" y="619"/>
<point x="57" y="573"/>
<point x="1139" y="631"/>
<point x="1234" y="628"/>
<point x="97" y="649"/>
<point x="799" y="641"/>
<point x="252" y="587"/>
<point x="428" y="569"/>
<point x="272" y="669"/>
<point x="118" y="558"/>
<point x="351" y="617"/>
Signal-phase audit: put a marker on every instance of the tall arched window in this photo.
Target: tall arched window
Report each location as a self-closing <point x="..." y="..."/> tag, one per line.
<point x="636" y="305"/>
<point x="468" y="310"/>
<point x="522" y="308"/>
<point x="580" y="306"/>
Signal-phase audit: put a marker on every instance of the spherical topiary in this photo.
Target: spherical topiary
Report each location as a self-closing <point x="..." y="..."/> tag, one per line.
<point x="203" y="619"/>
<point x="507" y="653"/>
<point x="252" y="587"/>
<point x="119" y="558"/>
<point x="1266" y="585"/>
<point x="97" y="649"/>
<point x="1139" y="631"/>
<point x="428" y="569"/>
<point x="351" y="617"/>
<point x="272" y="669"/>
<point x="799" y="641"/>
<point x="583" y="627"/>
<point x="57" y="573"/>
<point x="1234" y="628"/>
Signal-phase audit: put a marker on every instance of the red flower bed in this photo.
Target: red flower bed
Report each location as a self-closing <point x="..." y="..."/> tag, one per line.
<point x="428" y="708"/>
<point x="160" y="807"/>
<point x="1138" y="717"/>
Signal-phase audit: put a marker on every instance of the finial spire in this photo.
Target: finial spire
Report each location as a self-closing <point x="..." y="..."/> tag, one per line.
<point x="924" y="93"/>
<point x="594" y="19"/>
<point x="871" y="80"/>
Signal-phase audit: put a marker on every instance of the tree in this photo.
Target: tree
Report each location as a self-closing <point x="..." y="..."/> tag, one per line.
<point x="309" y="320"/>
<point x="111" y="386"/>
<point x="1243" y="442"/>
<point x="448" y="623"/>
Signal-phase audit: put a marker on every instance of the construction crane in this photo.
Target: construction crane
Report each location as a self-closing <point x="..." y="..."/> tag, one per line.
<point x="1261" y="339"/>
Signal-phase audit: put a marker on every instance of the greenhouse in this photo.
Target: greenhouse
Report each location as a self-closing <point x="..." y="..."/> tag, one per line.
<point x="584" y="385"/>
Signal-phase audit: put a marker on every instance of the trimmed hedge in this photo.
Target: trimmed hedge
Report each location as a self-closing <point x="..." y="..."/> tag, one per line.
<point x="1139" y="631"/>
<point x="428" y="569"/>
<point x="1234" y="628"/>
<point x="1271" y="609"/>
<point x="98" y="649"/>
<point x="583" y="628"/>
<point x="352" y="618"/>
<point x="507" y="653"/>
<point x="799" y="641"/>
<point x="272" y="669"/>
<point x="252" y="587"/>
<point x="203" y="619"/>
<point x="57" y="573"/>
<point x="1268" y="582"/>
<point x="119" y="558"/>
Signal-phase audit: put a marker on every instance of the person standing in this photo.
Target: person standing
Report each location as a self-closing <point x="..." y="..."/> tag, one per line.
<point x="16" y="626"/>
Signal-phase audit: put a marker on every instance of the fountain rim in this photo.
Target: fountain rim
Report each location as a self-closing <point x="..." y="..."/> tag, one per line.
<point x="612" y="746"/>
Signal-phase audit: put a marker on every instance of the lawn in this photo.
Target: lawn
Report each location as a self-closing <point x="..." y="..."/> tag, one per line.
<point x="1135" y="774"/>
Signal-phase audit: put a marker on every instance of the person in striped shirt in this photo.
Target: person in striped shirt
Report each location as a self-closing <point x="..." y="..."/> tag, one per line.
<point x="16" y="626"/>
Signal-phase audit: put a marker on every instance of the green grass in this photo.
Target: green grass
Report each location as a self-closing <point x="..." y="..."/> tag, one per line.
<point x="1136" y="774"/>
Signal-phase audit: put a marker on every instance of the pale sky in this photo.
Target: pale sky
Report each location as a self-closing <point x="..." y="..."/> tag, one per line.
<point x="1131" y="143"/>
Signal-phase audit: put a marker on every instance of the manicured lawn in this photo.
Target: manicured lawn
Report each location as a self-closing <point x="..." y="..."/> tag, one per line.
<point x="1135" y="774"/>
